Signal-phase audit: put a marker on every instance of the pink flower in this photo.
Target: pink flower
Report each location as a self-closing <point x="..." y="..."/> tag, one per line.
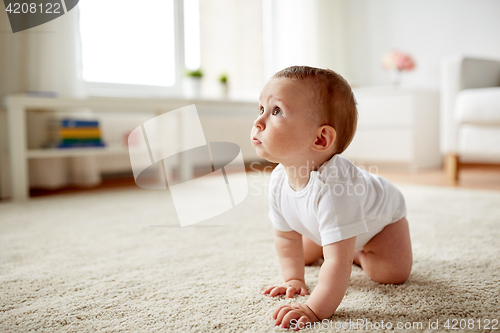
<point x="399" y="61"/>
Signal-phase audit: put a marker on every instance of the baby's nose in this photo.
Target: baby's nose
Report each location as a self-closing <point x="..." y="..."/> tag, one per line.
<point x="259" y="123"/>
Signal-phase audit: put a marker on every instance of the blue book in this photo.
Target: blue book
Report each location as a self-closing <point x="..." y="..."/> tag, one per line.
<point x="71" y="123"/>
<point x="81" y="145"/>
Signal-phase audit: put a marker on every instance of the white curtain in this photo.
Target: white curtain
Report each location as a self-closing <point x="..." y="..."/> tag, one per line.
<point x="303" y="32"/>
<point x="54" y="64"/>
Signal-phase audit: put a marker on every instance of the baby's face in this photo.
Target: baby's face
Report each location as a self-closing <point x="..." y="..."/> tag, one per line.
<point x="285" y="129"/>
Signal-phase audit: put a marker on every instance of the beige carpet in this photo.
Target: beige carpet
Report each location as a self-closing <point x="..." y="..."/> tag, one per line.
<point x="107" y="261"/>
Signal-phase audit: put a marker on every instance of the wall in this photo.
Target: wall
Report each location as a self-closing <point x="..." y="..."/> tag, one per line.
<point x="429" y="30"/>
<point x="13" y="79"/>
<point x="351" y="37"/>
<point x="13" y="69"/>
<point x="231" y="42"/>
<point x="303" y="32"/>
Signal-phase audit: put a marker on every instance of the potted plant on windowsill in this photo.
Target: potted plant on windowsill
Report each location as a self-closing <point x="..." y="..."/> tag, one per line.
<point x="224" y="86"/>
<point x="192" y="83"/>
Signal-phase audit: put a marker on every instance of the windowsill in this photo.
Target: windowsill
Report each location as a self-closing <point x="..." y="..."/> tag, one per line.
<point x="28" y="101"/>
<point x="108" y="90"/>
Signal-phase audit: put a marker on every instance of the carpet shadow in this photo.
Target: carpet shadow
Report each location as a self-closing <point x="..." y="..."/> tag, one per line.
<point x="456" y="290"/>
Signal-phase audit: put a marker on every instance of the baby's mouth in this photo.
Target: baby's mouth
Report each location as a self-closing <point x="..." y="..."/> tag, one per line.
<point x="256" y="141"/>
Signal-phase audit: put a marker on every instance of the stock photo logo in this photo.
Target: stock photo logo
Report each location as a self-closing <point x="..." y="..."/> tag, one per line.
<point x="24" y="15"/>
<point x="176" y="139"/>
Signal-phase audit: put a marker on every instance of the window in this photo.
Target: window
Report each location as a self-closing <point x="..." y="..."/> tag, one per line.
<point x="138" y="48"/>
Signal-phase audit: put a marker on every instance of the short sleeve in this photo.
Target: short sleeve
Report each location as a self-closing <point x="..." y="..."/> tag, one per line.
<point x="340" y="216"/>
<point x="275" y="187"/>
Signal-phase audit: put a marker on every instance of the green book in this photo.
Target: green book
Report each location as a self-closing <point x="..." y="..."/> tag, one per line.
<point x="85" y="141"/>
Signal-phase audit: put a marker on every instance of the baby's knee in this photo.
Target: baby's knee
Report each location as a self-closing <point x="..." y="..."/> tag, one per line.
<point x="312" y="251"/>
<point x="397" y="276"/>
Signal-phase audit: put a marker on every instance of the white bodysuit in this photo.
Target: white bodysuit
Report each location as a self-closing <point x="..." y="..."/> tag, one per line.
<point x="340" y="201"/>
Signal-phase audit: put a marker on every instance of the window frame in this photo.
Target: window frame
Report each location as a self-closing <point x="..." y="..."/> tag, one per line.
<point x="136" y="90"/>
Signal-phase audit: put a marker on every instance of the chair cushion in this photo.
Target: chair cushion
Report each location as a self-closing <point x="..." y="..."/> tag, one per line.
<point x="479" y="141"/>
<point x="479" y="106"/>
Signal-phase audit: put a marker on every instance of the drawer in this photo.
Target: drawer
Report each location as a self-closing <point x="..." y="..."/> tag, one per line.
<point x="382" y="146"/>
<point x="385" y="111"/>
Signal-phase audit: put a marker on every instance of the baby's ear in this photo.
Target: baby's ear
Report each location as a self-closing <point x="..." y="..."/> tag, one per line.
<point x="325" y="138"/>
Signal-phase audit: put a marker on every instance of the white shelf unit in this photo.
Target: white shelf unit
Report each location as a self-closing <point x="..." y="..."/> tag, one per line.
<point x="72" y="152"/>
<point x="18" y="105"/>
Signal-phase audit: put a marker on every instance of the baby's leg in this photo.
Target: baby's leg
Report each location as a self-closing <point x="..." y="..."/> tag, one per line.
<point x="387" y="257"/>
<point x="312" y="251"/>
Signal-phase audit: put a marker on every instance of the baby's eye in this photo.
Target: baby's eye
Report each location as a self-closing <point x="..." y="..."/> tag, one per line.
<point x="277" y="112"/>
<point x="261" y="111"/>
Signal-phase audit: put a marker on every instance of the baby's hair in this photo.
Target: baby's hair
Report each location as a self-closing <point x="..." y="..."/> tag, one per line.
<point x="335" y="100"/>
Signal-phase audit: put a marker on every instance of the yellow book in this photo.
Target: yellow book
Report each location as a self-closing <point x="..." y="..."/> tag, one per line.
<point x="80" y="133"/>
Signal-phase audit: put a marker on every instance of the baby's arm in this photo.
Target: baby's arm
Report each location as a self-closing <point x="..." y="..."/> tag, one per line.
<point x="332" y="284"/>
<point x="291" y="254"/>
<point x="333" y="278"/>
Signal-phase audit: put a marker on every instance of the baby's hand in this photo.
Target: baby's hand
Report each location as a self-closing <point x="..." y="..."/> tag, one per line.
<point x="288" y="288"/>
<point x="296" y="315"/>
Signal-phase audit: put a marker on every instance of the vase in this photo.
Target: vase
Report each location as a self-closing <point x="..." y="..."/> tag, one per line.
<point x="224" y="91"/>
<point x="192" y="87"/>
<point x="396" y="78"/>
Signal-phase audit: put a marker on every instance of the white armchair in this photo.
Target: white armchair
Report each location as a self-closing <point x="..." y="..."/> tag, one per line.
<point x="470" y="112"/>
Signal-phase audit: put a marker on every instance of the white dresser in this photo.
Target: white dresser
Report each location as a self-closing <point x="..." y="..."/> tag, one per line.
<point x="398" y="127"/>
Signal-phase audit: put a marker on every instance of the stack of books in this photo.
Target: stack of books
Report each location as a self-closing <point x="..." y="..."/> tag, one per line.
<point x="75" y="133"/>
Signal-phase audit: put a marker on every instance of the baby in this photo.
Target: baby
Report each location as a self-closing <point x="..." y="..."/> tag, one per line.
<point x="321" y="204"/>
